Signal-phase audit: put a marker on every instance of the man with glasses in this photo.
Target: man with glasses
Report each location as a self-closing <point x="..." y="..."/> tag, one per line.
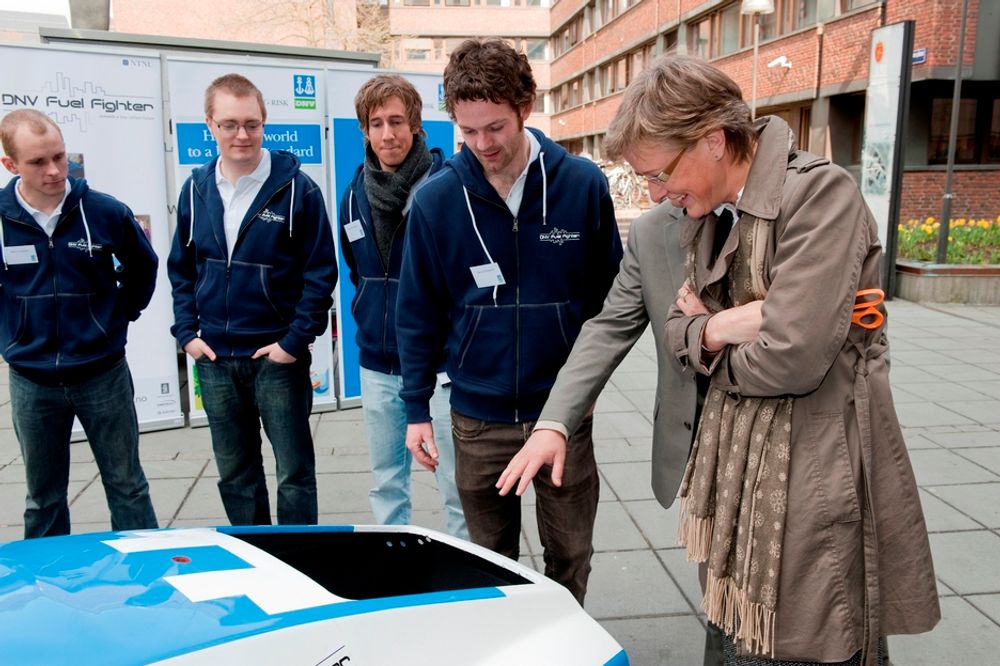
<point x="253" y="267"/>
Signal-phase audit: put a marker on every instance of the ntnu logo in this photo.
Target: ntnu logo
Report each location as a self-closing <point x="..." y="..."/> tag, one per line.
<point x="82" y="245"/>
<point x="559" y="236"/>
<point x="269" y="216"/>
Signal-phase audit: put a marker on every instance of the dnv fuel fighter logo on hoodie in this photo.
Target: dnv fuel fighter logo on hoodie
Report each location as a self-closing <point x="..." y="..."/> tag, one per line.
<point x="267" y="215"/>
<point x="559" y="236"/>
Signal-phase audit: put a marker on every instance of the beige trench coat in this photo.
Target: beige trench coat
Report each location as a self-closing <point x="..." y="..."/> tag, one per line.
<point x="850" y="474"/>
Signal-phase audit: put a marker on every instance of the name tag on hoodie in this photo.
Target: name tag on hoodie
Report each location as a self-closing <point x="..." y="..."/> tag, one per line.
<point x="487" y="275"/>
<point x="20" y="254"/>
<point x="355" y="231"/>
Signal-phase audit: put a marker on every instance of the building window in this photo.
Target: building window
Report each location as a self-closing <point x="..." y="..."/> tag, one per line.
<point x="993" y="151"/>
<point x="456" y="3"/>
<point x="417" y="3"/>
<point x="699" y="38"/>
<point x="536" y="49"/>
<point x="965" y="140"/>
<point x="417" y="54"/>
<point x="729" y="30"/>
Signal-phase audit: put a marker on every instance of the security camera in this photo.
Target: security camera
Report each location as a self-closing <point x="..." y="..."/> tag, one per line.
<point x="780" y="61"/>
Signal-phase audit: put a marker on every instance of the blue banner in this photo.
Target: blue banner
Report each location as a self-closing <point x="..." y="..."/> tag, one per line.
<point x="196" y="146"/>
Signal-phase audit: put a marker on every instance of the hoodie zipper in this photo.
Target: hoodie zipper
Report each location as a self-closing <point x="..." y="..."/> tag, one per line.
<point x="55" y="279"/>
<point x="517" y="321"/>
<point x="239" y="237"/>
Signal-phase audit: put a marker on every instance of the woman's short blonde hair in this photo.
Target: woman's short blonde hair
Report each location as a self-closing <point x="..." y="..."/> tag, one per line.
<point x="678" y="100"/>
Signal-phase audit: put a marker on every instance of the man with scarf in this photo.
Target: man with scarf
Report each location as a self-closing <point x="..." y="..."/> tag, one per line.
<point x="373" y="215"/>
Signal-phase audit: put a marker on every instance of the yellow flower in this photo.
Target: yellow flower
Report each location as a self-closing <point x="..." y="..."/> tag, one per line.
<point x="951" y="239"/>
<point x="937" y="225"/>
<point x="984" y="224"/>
<point x="930" y="220"/>
<point x="960" y="222"/>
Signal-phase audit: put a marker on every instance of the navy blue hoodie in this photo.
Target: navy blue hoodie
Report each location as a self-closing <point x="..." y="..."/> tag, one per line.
<point x="558" y="258"/>
<point x="277" y="287"/>
<point x="374" y="304"/>
<point x="66" y="316"/>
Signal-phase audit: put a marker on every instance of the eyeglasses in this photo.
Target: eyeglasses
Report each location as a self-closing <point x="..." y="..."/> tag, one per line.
<point x="662" y="177"/>
<point x="232" y="127"/>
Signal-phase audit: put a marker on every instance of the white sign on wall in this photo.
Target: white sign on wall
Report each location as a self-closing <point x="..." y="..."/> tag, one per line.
<point x="109" y="108"/>
<point x="295" y="105"/>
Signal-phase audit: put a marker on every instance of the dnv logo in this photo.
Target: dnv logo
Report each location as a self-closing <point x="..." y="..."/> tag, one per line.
<point x="304" y="87"/>
<point x="559" y="236"/>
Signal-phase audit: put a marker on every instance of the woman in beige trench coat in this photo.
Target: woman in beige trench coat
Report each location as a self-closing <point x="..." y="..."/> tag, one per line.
<point x="799" y="499"/>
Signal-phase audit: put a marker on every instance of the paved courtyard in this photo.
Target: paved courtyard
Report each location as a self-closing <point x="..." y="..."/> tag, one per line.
<point x="946" y="377"/>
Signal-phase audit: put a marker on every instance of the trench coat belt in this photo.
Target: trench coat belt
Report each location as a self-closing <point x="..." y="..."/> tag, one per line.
<point x="869" y="649"/>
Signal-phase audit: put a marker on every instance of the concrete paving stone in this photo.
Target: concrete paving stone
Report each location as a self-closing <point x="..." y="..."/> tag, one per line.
<point x="990" y="388"/>
<point x="964" y="636"/>
<point x="966" y="561"/>
<point x="12" y="504"/>
<point x="904" y="375"/>
<point x="612" y="401"/>
<point x="917" y="440"/>
<point x="902" y="396"/>
<point x="342" y="492"/>
<point x="660" y="641"/>
<point x="176" y="469"/>
<point x="987" y="604"/>
<point x="168" y="494"/>
<point x="621" y="478"/>
<point x="963" y="372"/>
<point x="180" y="523"/>
<point x="624" y="584"/>
<point x="941" y="392"/>
<point x="685" y="575"/>
<point x="657" y="525"/>
<point x="614" y="450"/>
<point x="978" y="438"/>
<point x="988" y="457"/>
<point x="934" y="467"/>
<point x="638" y="361"/>
<point x="940" y="517"/>
<point x="345" y="462"/>
<point x="922" y="357"/>
<point x="434" y="520"/>
<point x="643" y="400"/>
<point x="341" y="437"/>
<point x="982" y="354"/>
<point x="616" y="530"/>
<point x="899" y="343"/>
<point x="922" y="414"/>
<point x="347" y="518"/>
<point x="339" y="415"/>
<point x="978" y="501"/>
<point x="203" y="502"/>
<point x="625" y="424"/>
<point x="982" y="411"/>
<point x="627" y="381"/>
<point x="11" y="533"/>
<point x="531" y="562"/>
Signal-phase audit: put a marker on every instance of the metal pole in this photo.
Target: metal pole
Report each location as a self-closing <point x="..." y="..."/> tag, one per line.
<point x="956" y="102"/>
<point x="753" y="78"/>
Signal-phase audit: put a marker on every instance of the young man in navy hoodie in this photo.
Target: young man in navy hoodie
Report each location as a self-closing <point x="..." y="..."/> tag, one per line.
<point x="77" y="268"/>
<point x="253" y="267"/>
<point x="372" y="221"/>
<point x="509" y="249"/>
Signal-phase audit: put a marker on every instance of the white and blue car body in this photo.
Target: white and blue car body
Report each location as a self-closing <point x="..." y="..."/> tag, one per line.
<point x="316" y="596"/>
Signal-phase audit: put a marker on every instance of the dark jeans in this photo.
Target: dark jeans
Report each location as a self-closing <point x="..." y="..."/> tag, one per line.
<point x="238" y="395"/>
<point x="565" y="514"/>
<point x="43" y="422"/>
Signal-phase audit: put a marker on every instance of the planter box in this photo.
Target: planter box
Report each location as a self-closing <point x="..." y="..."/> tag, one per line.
<point x="948" y="283"/>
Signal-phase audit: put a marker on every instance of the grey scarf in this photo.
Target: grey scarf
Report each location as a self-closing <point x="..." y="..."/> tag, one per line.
<point x="388" y="190"/>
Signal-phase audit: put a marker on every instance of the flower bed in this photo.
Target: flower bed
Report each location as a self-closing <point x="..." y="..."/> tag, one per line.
<point x="970" y="240"/>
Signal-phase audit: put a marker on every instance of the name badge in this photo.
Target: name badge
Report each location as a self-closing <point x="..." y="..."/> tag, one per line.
<point x="355" y="231"/>
<point x="487" y="275"/>
<point x="20" y="254"/>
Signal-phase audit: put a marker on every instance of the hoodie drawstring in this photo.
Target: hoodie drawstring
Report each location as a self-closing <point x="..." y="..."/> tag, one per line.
<point x="482" y="243"/>
<point x="545" y="190"/>
<point x="3" y="245"/>
<point x="291" y="210"/>
<point x="191" y="206"/>
<point x="86" y="230"/>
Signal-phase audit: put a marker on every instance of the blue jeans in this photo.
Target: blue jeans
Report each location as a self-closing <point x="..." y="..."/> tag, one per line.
<point x="43" y="422"/>
<point x="238" y="395"/>
<point x="385" y="426"/>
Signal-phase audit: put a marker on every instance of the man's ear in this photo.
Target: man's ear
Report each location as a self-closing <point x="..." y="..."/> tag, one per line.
<point x="9" y="165"/>
<point x="716" y="140"/>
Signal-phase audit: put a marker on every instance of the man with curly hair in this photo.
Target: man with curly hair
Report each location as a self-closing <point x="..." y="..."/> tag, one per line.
<point x="509" y="249"/>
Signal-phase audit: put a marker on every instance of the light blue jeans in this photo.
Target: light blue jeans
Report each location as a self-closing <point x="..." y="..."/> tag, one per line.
<point x="385" y="425"/>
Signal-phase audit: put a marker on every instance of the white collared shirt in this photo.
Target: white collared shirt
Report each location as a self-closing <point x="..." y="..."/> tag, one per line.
<point x="47" y="221"/>
<point x="517" y="189"/>
<point x="236" y="199"/>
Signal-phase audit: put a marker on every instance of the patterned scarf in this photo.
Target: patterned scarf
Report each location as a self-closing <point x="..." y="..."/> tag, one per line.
<point x="735" y="489"/>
